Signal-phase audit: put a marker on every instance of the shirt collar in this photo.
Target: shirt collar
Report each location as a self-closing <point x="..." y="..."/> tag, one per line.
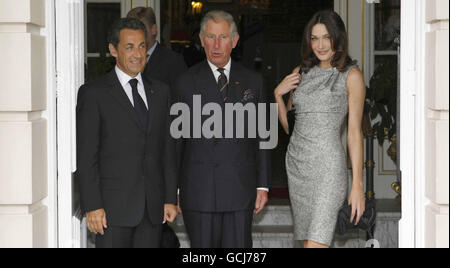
<point x="124" y="78"/>
<point x="227" y="67"/>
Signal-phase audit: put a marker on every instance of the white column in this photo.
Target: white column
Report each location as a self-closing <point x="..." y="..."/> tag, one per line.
<point x="424" y="124"/>
<point x="23" y="130"/>
<point x="436" y="173"/>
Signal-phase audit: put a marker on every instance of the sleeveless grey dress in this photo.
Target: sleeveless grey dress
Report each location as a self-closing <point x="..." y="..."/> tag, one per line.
<point x="316" y="159"/>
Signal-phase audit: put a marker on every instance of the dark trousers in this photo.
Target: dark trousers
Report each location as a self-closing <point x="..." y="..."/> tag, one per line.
<point x="219" y="230"/>
<point x="145" y="235"/>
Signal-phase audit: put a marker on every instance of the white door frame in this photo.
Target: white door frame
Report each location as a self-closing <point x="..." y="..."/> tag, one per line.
<point x="70" y="76"/>
<point x="412" y="123"/>
<point x="50" y="114"/>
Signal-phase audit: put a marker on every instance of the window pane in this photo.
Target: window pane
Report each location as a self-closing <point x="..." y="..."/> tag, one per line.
<point x="100" y="16"/>
<point x="387" y="24"/>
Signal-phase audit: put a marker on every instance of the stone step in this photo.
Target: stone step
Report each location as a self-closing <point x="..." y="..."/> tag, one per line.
<point x="263" y="237"/>
<point x="283" y="237"/>
<point x="273" y="228"/>
<point x="277" y="212"/>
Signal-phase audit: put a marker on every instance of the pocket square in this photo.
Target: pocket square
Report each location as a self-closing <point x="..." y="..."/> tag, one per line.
<point x="248" y="96"/>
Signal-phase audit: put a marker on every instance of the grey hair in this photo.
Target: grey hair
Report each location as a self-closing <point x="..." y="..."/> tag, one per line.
<point x="217" y="15"/>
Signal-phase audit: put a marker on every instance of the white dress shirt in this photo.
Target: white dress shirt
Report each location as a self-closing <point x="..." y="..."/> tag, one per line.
<point x="227" y="74"/>
<point x="124" y="80"/>
<point x="217" y="73"/>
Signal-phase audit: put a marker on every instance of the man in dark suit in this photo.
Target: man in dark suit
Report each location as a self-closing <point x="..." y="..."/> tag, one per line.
<point x="222" y="181"/>
<point x="127" y="181"/>
<point x="162" y="63"/>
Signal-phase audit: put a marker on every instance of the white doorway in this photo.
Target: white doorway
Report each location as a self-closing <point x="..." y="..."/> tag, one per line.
<point x="71" y="58"/>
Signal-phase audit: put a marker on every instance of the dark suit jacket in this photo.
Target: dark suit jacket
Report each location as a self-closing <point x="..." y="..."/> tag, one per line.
<point x="221" y="175"/>
<point x="166" y="66"/>
<point x="121" y="165"/>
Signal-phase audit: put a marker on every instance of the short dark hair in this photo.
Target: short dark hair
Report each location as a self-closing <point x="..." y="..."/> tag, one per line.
<point x="121" y="24"/>
<point x="143" y="13"/>
<point x="339" y="40"/>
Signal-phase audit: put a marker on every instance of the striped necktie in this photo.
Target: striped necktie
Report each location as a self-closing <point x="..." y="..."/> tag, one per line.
<point x="223" y="84"/>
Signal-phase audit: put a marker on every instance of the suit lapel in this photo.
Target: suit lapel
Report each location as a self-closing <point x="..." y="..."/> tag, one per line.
<point x="235" y="86"/>
<point x="150" y="94"/>
<point x="207" y="85"/>
<point x="117" y="91"/>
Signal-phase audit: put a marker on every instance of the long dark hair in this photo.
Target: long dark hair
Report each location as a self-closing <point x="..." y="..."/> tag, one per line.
<point x="339" y="40"/>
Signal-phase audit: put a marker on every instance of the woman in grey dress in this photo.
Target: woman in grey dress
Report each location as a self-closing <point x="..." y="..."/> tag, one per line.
<point x="328" y="98"/>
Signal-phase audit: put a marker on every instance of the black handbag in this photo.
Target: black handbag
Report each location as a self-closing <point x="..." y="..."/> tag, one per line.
<point x="169" y="238"/>
<point x="366" y="222"/>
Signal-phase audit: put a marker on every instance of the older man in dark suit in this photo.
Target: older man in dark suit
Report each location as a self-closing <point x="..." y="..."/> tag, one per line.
<point x="162" y="63"/>
<point x="223" y="181"/>
<point x="124" y="150"/>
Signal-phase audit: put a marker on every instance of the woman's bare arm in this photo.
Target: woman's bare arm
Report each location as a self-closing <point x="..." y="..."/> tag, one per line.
<point x="356" y="98"/>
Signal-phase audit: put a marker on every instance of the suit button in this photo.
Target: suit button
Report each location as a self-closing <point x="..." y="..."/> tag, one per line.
<point x="216" y="165"/>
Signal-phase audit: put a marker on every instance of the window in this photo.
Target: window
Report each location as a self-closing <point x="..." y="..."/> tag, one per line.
<point x="98" y="61"/>
<point x="386" y="33"/>
<point x="383" y="85"/>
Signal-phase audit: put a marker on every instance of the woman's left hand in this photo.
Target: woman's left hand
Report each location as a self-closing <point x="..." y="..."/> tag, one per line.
<point x="358" y="203"/>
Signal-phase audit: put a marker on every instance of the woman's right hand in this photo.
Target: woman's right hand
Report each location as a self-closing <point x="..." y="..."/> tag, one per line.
<point x="289" y="83"/>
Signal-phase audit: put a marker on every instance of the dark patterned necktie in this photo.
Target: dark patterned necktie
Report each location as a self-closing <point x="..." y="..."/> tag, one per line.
<point x="139" y="104"/>
<point x="223" y="84"/>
